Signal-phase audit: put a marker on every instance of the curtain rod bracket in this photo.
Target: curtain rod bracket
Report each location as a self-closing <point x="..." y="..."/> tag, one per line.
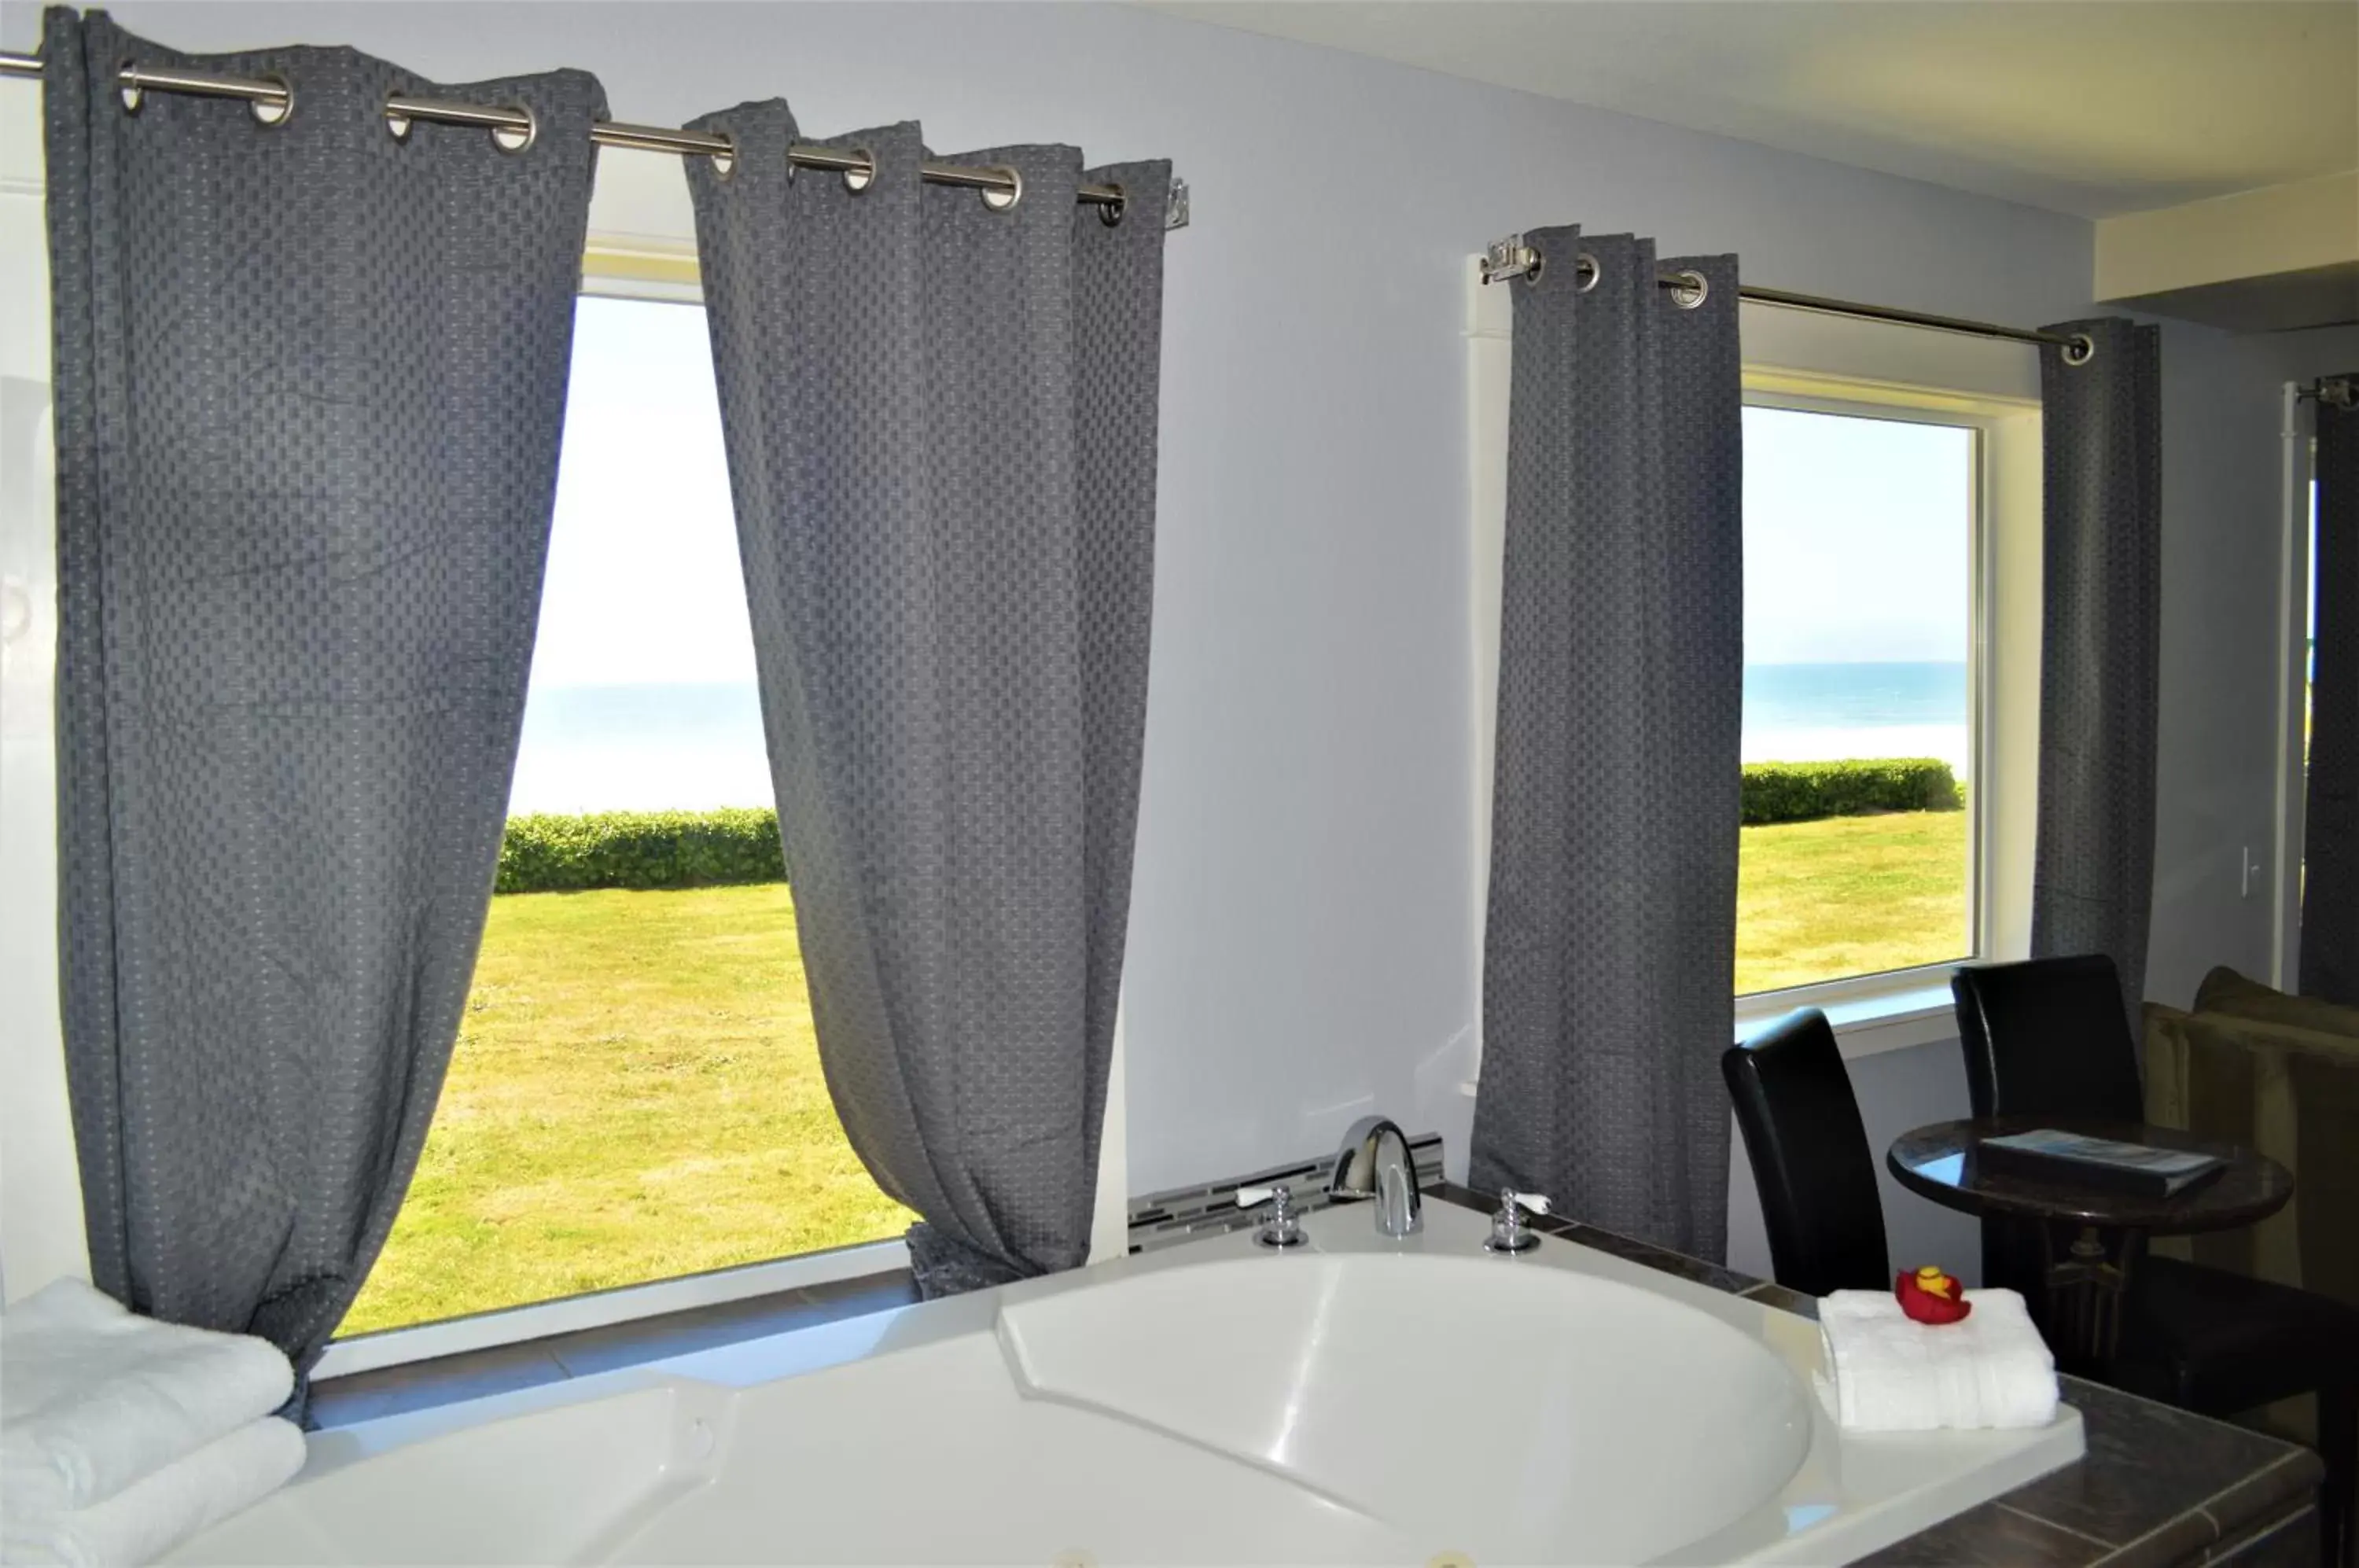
<point x="2335" y="391"/>
<point x="1510" y="258"/>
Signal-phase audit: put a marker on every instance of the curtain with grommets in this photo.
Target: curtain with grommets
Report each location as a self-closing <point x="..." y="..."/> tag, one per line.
<point x="2100" y="648"/>
<point x="941" y="412"/>
<point x="309" y="377"/>
<point x="1609" y="944"/>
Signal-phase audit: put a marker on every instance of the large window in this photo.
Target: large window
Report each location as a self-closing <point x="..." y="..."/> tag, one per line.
<point x="636" y="1094"/>
<point x="1860" y="607"/>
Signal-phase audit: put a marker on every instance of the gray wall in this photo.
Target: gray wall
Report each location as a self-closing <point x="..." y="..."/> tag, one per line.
<point x="2216" y="787"/>
<point x="1301" y="931"/>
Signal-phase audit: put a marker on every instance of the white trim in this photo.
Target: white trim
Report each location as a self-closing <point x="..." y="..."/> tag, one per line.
<point x="1870" y="1013"/>
<point x="2293" y="683"/>
<point x="600" y="1309"/>
<point x="1768" y="387"/>
<point x="41" y="1231"/>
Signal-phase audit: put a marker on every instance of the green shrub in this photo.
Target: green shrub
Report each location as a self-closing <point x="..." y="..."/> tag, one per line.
<point x="640" y="849"/>
<point x="1803" y="791"/>
<point x="694" y="849"/>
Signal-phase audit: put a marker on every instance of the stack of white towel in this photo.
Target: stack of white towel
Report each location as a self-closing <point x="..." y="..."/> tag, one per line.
<point x="1888" y="1373"/>
<point x="120" y="1436"/>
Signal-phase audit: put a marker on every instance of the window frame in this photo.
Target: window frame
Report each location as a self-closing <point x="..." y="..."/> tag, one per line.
<point x="1892" y="1009"/>
<point x="1773" y="391"/>
<point x="2298" y="434"/>
<point x="42" y="1223"/>
<point x="669" y="274"/>
<point x="1838" y="366"/>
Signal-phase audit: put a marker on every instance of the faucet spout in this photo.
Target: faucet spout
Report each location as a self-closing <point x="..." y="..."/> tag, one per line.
<point x="1374" y="1163"/>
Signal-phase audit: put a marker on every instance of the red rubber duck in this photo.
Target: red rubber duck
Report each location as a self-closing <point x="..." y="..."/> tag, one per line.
<point x="1929" y="1296"/>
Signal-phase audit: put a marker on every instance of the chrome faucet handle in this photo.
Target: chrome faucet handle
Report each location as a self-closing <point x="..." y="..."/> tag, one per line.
<point x="1508" y="1232"/>
<point x="1280" y="1229"/>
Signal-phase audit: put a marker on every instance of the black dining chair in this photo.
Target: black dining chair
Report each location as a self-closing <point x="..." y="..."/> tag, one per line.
<point x="1810" y="1158"/>
<point x="2051" y="1037"/>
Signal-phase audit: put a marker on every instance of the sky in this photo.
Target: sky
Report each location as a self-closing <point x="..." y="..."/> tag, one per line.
<point x="1856" y="540"/>
<point x="1856" y="531"/>
<point x="643" y="586"/>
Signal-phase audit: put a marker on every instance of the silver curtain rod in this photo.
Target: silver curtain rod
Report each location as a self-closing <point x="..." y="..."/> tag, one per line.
<point x="2336" y="391"/>
<point x="1511" y="257"/>
<point x="272" y="99"/>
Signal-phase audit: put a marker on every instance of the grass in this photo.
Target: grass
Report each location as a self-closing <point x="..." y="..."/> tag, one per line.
<point x="636" y="1093"/>
<point x="1849" y="896"/>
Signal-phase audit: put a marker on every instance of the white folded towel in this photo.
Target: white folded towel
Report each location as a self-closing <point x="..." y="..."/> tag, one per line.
<point x="155" y="1513"/>
<point x="1891" y="1374"/>
<point x="93" y="1397"/>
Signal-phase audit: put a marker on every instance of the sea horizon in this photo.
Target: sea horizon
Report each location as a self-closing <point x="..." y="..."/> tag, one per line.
<point x="698" y="745"/>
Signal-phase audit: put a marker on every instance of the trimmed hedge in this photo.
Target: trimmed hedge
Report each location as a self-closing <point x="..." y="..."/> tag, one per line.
<point x="640" y="849"/>
<point x="1805" y="791"/>
<point x="696" y="849"/>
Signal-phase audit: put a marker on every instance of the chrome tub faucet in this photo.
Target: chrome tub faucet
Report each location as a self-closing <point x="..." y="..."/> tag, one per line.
<point x="1374" y="1163"/>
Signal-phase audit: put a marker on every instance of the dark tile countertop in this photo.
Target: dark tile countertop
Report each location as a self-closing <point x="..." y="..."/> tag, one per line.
<point x="2158" y="1485"/>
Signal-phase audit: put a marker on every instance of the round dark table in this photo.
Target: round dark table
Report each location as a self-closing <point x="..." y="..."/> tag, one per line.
<point x="2095" y="1233"/>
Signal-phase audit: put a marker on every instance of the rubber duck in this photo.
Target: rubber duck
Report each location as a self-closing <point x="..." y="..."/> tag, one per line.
<point x="1929" y="1296"/>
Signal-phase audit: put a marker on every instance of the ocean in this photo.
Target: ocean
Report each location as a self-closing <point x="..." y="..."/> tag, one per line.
<point x="1813" y="712"/>
<point x="607" y="749"/>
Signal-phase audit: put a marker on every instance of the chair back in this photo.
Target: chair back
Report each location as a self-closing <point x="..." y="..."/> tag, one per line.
<point x="1810" y="1155"/>
<point x="2048" y="1037"/>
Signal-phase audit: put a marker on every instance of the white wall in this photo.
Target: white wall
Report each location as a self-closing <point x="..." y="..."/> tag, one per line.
<point x="1300" y="927"/>
<point x="1299" y="933"/>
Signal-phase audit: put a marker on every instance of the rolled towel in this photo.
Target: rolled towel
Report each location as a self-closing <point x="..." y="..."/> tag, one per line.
<point x="158" y="1512"/>
<point x="94" y="1397"/>
<point x="1889" y="1374"/>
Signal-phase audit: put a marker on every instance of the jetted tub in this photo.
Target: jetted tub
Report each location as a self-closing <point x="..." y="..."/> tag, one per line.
<point x="1352" y="1400"/>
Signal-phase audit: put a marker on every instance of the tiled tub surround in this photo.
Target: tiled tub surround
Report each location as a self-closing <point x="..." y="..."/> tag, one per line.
<point x="2157" y="1486"/>
<point x="1210" y="1404"/>
<point x="1190" y="1214"/>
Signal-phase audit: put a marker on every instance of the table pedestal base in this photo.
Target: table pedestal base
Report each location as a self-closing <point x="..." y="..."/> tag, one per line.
<point x="2087" y="1276"/>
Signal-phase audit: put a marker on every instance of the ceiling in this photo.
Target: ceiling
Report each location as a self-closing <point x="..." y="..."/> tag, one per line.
<point x="2092" y="108"/>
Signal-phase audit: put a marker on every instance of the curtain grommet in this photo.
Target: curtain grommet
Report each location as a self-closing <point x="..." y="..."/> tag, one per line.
<point x="1110" y="212"/>
<point x="859" y="179"/>
<point x="725" y="164"/>
<point x="397" y="125"/>
<point x="1585" y="273"/>
<point x="1689" y="288"/>
<point x="517" y="138"/>
<point x="1005" y="200"/>
<point x="2081" y="349"/>
<point x="128" y="87"/>
<point x="266" y="112"/>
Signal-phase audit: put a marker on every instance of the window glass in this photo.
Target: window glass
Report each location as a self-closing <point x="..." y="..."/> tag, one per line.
<point x="1856" y="851"/>
<point x="635" y="1093"/>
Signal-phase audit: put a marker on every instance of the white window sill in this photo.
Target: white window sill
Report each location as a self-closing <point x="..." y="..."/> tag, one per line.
<point x="1887" y="1012"/>
<point x="1870" y="1016"/>
<point x="597" y="1309"/>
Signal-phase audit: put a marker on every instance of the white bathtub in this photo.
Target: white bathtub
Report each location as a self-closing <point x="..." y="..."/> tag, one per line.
<point x="1355" y="1400"/>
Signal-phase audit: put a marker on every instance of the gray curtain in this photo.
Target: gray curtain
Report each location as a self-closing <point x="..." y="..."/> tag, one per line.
<point x="1609" y="951"/>
<point x="2092" y="874"/>
<point x="2330" y="895"/>
<point x="310" y="381"/>
<point x="940" y="422"/>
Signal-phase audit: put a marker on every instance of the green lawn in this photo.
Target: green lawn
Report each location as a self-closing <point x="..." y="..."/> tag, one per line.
<point x="1849" y="896"/>
<point x="636" y="1093"/>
